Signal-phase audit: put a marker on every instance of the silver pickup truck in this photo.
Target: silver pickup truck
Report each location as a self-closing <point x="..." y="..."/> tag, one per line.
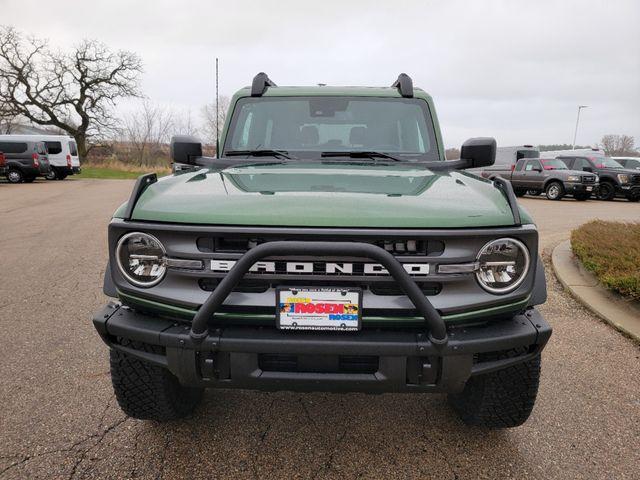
<point x="548" y="175"/>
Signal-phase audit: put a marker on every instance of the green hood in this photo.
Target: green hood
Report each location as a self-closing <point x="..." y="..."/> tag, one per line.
<point x="326" y="195"/>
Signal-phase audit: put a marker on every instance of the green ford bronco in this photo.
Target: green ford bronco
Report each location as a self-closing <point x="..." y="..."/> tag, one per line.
<point x="328" y="247"/>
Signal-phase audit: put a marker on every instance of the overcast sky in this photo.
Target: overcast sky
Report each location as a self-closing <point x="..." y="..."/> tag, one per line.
<point x="512" y="69"/>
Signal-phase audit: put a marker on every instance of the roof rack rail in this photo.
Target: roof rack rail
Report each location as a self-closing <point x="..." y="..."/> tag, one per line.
<point x="260" y="83"/>
<point x="404" y="84"/>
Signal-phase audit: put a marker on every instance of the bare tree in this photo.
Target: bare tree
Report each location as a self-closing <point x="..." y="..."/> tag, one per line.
<point x="213" y="123"/>
<point x="74" y="91"/>
<point x="185" y="124"/>
<point x="7" y="119"/>
<point x="146" y="130"/>
<point x="618" y="145"/>
<point x="452" y="154"/>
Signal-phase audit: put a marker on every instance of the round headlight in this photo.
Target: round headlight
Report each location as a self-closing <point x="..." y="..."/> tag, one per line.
<point x="502" y="265"/>
<point x="141" y="259"/>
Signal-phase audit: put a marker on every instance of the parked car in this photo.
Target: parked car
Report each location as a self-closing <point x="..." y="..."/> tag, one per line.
<point x="507" y="157"/>
<point x="548" y="175"/>
<point x="25" y="160"/>
<point x="630" y="163"/>
<point x="330" y="247"/>
<point x="3" y="164"/>
<point x="615" y="180"/>
<point x="62" y="153"/>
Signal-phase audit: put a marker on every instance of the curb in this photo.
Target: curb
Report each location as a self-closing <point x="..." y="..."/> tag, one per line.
<point x="585" y="287"/>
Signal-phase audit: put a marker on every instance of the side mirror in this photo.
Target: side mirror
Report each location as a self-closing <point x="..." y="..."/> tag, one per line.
<point x="479" y="152"/>
<point x="185" y="149"/>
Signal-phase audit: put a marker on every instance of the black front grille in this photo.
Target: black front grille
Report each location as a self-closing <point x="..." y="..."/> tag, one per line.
<point x="273" y="362"/>
<point x="588" y="179"/>
<point x="242" y="244"/>
<point x="635" y="179"/>
<point x="245" y="286"/>
<point x="377" y="288"/>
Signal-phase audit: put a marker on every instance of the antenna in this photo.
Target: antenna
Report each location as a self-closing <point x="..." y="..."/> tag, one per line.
<point x="217" y="115"/>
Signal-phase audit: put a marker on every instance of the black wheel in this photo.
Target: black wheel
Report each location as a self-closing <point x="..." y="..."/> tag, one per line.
<point x="581" y="197"/>
<point x="519" y="192"/>
<point x="15" y="176"/>
<point x="62" y="176"/>
<point x="149" y="392"/>
<point x="52" y="175"/>
<point x="29" y="179"/>
<point x="501" y="399"/>
<point x="534" y="193"/>
<point x="554" y="191"/>
<point x="606" y="191"/>
<point x="632" y="198"/>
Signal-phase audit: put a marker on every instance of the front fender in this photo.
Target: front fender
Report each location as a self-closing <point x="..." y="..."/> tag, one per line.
<point x="552" y="179"/>
<point x="108" y="285"/>
<point x="539" y="292"/>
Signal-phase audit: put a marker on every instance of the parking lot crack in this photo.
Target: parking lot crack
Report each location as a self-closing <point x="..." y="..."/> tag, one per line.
<point x="306" y="412"/>
<point x="328" y="463"/>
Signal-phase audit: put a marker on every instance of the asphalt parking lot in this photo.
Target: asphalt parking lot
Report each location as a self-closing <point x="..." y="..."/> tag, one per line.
<point x="59" y="418"/>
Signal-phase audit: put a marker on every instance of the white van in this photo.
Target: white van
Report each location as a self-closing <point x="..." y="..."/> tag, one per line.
<point x="62" y="153"/>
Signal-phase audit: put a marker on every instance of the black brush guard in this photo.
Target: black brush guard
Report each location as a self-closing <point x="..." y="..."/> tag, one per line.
<point x="435" y="325"/>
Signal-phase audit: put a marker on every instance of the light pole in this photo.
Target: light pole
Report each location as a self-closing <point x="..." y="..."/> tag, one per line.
<point x="575" y="134"/>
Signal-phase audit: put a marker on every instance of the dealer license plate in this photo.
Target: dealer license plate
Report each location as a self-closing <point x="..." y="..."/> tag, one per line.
<point x="322" y="308"/>
<point x="589" y="189"/>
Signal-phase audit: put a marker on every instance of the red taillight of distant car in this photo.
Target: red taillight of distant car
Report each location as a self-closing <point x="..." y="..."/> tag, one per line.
<point x="3" y="162"/>
<point x="36" y="160"/>
<point x="69" y="161"/>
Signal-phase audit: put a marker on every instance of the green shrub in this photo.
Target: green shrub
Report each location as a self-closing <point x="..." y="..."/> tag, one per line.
<point x="611" y="250"/>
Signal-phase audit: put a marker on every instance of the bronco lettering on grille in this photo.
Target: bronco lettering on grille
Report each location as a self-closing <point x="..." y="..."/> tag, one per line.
<point x="320" y="268"/>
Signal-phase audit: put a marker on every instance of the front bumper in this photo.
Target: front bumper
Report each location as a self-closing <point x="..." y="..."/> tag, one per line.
<point x="371" y="360"/>
<point x="628" y="190"/>
<point x="576" y="187"/>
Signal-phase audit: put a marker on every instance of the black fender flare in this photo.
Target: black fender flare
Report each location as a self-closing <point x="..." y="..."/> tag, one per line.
<point x="539" y="292"/>
<point x="108" y="285"/>
<point x="14" y="165"/>
<point x="552" y="179"/>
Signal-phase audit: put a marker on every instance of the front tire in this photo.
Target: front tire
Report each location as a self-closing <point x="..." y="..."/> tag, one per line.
<point x="149" y="392"/>
<point x="501" y="399"/>
<point x="554" y="191"/>
<point x="632" y="198"/>
<point x="15" y="176"/>
<point x="606" y="191"/>
<point x="519" y="192"/>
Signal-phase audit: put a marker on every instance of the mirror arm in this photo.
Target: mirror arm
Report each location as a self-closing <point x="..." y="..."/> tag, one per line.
<point x="460" y="164"/>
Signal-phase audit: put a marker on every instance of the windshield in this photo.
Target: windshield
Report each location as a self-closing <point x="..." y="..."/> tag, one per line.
<point x="305" y="127"/>
<point x="553" y="164"/>
<point x="605" y="162"/>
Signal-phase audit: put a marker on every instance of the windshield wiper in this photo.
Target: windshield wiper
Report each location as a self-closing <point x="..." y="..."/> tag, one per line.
<point x="259" y="153"/>
<point x="358" y="154"/>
